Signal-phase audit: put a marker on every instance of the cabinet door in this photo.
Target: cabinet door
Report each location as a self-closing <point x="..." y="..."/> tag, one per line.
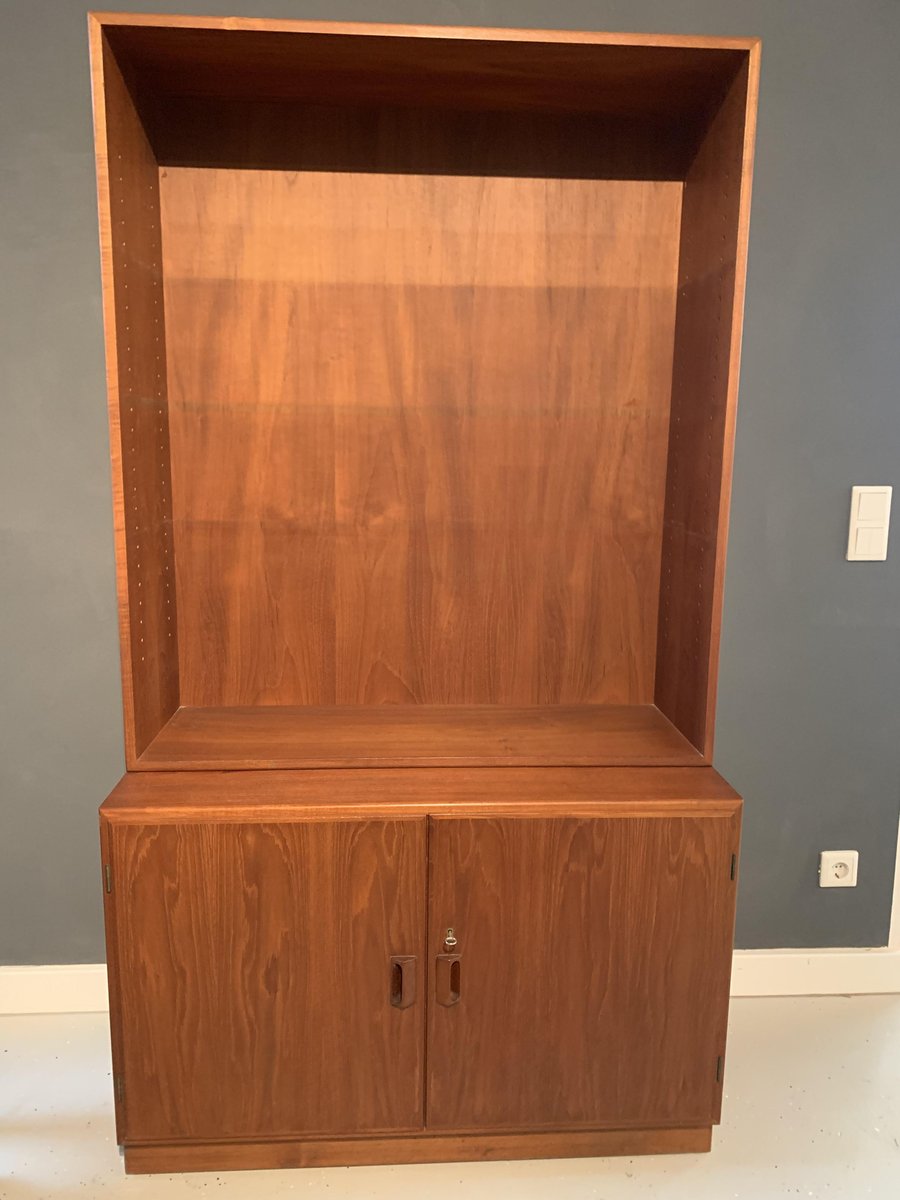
<point x="588" y="985"/>
<point x="256" y="990"/>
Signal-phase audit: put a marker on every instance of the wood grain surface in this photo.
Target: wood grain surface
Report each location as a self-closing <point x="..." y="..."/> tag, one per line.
<point x="594" y="965"/>
<point x="276" y="736"/>
<point x="276" y="796"/>
<point x="422" y="350"/>
<point x="380" y="527"/>
<point x="110" y="21"/>
<point x="131" y="262"/>
<point x="711" y="279"/>
<point x="295" y="135"/>
<point x="419" y="429"/>
<point x="356" y="1152"/>
<point x="490" y="69"/>
<point x="113" y="974"/>
<point x="254" y="977"/>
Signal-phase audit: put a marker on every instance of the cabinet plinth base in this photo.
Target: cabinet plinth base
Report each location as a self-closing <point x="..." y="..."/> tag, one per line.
<point x="362" y="1152"/>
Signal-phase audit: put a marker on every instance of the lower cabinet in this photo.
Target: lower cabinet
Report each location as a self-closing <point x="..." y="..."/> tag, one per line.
<point x="424" y="975"/>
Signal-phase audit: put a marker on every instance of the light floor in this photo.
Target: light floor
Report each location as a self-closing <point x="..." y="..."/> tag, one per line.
<point x="812" y="1108"/>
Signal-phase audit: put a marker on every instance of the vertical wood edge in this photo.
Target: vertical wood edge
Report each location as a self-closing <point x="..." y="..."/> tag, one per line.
<point x="687" y="668"/>
<point x="426" y="974"/>
<point x="734" y="370"/>
<point x="137" y="385"/>
<point x="112" y="958"/>
<point x="733" y="850"/>
<point x="110" y="338"/>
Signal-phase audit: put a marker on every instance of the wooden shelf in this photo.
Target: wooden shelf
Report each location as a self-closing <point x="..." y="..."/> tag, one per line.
<point x="408" y="735"/>
<point x="426" y="791"/>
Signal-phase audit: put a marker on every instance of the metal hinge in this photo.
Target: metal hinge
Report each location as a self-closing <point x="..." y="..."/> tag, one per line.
<point x="120" y="1088"/>
<point x="107" y="877"/>
<point x="733" y="865"/>
<point x="719" y="1069"/>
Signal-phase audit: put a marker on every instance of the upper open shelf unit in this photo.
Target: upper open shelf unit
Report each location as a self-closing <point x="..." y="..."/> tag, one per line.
<point x="422" y="353"/>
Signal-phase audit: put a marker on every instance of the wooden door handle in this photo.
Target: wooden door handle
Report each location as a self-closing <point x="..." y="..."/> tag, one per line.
<point x="403" y="980"/>
<point x="447" y="974"/>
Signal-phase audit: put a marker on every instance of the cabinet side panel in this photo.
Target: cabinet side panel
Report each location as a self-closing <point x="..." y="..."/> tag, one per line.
<point x="131" y="257"/>
<point x="107" y="837"/>
<point x="255" y="978"/>
<point x="712" y="270"/>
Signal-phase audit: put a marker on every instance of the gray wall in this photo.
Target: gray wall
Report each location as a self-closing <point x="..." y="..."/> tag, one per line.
<point x="807" y="723"/>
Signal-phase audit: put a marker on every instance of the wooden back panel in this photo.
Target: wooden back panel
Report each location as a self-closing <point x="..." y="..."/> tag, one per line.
<point x="711" y="276"/>
<point x="294" y="135"/>
<point x="136" y="382"/>
<point x="419" y="428"/>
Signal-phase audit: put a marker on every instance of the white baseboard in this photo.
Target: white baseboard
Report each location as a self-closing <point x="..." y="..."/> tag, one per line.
<point x="77" y="988"/>
<point x="82" y="987"/>
<point x="815" y="972"/>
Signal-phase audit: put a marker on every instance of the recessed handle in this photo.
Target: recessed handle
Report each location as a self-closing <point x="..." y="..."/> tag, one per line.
<point x="403" y="980"/>
<point x="447" y="979"/>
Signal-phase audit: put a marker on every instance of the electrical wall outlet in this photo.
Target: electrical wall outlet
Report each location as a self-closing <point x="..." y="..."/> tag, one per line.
<point x="838" y="868"/>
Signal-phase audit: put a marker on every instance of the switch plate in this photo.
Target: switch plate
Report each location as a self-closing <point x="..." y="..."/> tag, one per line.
<point x="838" y="868"/>
<point x="870" y="515"/>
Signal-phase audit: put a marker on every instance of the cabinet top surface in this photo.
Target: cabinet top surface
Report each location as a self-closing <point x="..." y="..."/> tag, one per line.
<point x="457" y="32"/>
<point x="279" y="795"/>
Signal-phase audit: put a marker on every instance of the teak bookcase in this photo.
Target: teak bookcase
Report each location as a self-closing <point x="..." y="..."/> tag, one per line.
<point x="422" y="352"/>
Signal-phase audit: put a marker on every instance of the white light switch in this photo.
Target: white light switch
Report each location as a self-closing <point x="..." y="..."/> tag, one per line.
<point x="870" y="515"/>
